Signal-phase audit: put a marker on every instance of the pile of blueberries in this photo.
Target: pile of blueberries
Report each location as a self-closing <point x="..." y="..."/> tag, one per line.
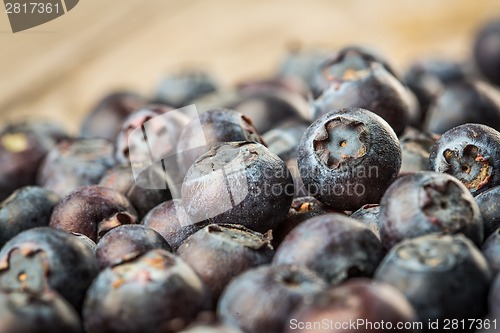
<point x="336" y="191"/>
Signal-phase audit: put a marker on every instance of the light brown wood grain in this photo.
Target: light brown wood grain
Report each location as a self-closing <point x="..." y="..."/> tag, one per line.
<point x="60" y="69"/>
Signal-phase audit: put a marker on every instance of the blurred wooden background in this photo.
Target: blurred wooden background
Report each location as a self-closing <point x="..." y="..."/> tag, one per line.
<point x="60" y="69"/>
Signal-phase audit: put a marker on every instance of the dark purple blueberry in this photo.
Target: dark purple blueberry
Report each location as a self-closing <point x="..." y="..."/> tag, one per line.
<point x="181" y="88"/>
<point x="42" y="259"/>
<point x="332" y="245"/>
<point x="348" y="158"/>
<point x="92" y="211"/>
<point x="239" y="182"/>
<point x="470" y="153"/>
<point x="489" y="205"/>
<point x="416" y="147"/>
<point x="369" y="215"/>
<point x="487" y="51"/>
<point x="161" y="127"/>
<point x="219" y="252"/>
<point x="270" y="107"/>
<point x="26" y="208"/>
<point x="22" y="149"/>
<point x="351" y="81"/>
<point x="121" y="179"/>
<point x="26" y="312"/>
<point x="344" y="64"/>
<point x="464" y="102"/>
<point x="156" y="292"/>
<point x="74" y="163"/>
<point x="217" y="126"/>
<point x="491" y="251"/>
<point x="427" y="203"/>
<point x="494" y="298"/>
<point x="443" y="276"/>
<point x="105" y="119"/>
<point x="302" y="209"/>
<point x="171" y="221"/>
<point x="365" y="302"/>
<point x="260" y="300"/>
<point x="284" y="140"/>
<point x="126" y="242"/>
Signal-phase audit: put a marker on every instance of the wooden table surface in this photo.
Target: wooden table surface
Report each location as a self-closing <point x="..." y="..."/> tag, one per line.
<point x="61" y="68"/>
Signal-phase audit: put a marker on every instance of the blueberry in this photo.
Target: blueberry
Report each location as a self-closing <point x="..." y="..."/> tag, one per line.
<point x="453" y="107"/>
<point x="171" y="221"/>
<point x="369" y="215"/>
<point x="261" y="299"/>
<point x="219" y="252"/>
<point x="355" y="82"/>
<point x="121" y="179"/>
<point x="494" y="298"/>
<point x="425" y="203"/>
<point x="42" y="259"/>
<point x="443" y="276"/>
<point x="73" y="163"/>
<point x="487" y="51"/>
<point x="155" y="292"/>
<point x="238" y="182"/>
<point x="363" y="301"/>
<point x="126" y="242"/>
<point x="92" y="211"/>
<point x="332" y="245"/>
<point x="491" y="251"/>
<point x="180" y="88"/>
<point x="285" y="139"/>
<point x="105" y="119"/>
<point x="26" y="312"/>
<point x="470" y="153"/>
<point x="416" y="147"/>
<point x="217" y="126"/>
<point x="490" y="209"/>
<point x="26" y="208"/>
<point x="23" y="146"/>
<point x="302" y="209"/>
<point x="348" y="158"/>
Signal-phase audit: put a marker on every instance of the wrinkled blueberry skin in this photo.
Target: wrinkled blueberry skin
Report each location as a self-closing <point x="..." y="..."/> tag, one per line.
<point x="348" y="158"/>
<point x="487" y="51"/>
<point x="158" y="291"/>
<point x="332" y="245"/>
<point x="74" y="163"/>
<point x="181" y="88"/>
<point x="44" y="258"/>
<point x="219" y="252"/>
<point x="416" y="147"/>
<point x="267" y="108"/>
<point x="92" y="211"/>
<point x="351" y="57"/>
<point x="239" y="182"/>
<point x="22" y="149"/>
<point x="425" y="203"/>
<point x="489" y="205"/>
<point x="105" y="119"/>
<point x="470" y="153"/>
<point x="443" y="276"/>
<point x="217" y="126"/>
<point x="302" y="209"/>
<point x="491" y="251"/>
<point x="261" y="299"/>
<point x="356" y="299"/>
<point x="126" y="242"/>
<point x="26" y="208"/>
<point x="464" y="102"/>
<point x="171" y="221"/>
<point x="369" y="215"/>
<point x="25" y="312"/>
<point x="162" y="133"/>
<point x="121" y="179"/>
